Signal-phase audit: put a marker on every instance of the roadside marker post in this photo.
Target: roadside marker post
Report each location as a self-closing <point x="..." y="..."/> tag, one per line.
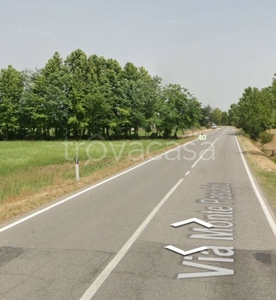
<point x="77" y="169"/>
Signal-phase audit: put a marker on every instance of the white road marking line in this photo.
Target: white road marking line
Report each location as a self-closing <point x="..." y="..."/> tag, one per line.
<point x="187" y="173"/>
<point x="268" y="214"/>
<point x="207" y="149"/>
<point x="184" y="253"/>
<point x="192" y="220"/>
<point x="91" y="291"/>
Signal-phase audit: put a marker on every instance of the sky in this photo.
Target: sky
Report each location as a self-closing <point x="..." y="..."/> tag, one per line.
<point x="214" y="48"/>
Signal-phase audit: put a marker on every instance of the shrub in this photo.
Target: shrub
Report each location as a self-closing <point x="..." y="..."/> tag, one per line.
<point x="266" y="137"/>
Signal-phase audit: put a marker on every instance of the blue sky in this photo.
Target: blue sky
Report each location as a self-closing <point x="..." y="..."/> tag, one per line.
<point x="215" y="48"/>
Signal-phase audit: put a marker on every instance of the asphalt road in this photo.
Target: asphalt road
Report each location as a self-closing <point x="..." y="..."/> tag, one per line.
<point x="108" y="241"/>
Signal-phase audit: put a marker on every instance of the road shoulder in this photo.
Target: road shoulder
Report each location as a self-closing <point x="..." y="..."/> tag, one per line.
<point x="263" y="169"/>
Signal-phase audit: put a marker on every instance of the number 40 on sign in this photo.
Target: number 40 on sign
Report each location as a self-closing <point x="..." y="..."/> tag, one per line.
<point x="202" y="137"/>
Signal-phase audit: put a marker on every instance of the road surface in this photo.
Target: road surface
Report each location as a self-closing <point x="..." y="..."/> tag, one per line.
<point x="115" y="240"/>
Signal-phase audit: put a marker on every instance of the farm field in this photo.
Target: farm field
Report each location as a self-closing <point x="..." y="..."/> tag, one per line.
<point x="35" y="172"/>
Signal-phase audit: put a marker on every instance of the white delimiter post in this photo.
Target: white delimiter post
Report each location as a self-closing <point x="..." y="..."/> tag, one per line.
<point x="77" y="169"/>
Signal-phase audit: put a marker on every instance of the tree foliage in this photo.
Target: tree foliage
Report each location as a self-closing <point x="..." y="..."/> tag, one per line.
<point x="83" y="96"/>
<point x="11" y="91"/>
<point x="255" y="111"/>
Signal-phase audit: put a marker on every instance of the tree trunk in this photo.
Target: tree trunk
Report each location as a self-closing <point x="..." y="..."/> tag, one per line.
<point x="175" y="133"/>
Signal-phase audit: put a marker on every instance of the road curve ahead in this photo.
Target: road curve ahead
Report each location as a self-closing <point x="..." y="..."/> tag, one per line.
<point x="144" y="234"/>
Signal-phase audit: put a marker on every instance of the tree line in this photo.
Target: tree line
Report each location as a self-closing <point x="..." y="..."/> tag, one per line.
<point x="84" y="96"/>
<point x="255" y="111"/>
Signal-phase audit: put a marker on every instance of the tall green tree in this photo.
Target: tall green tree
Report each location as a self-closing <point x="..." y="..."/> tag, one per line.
<point x="25" y="107"/>
<point x="11" y="90"/>
<point x="178" y="109"/>
<point x="82" y="96"/>
<point x="55" y="95"/>
<point x="81" y="87"/>
<point x="35" y="104"/>
<point x="206" y="118"/>
<point x="106" y="103"/>
<point x="233" y="118"/>
<point x="152" y="96"/>
<point x="273" y="99"/>
<point x="255" y="111"/>
<point x="132" y="97"/>
<point x="216" y="116"/>
<point x="224" y="118"/>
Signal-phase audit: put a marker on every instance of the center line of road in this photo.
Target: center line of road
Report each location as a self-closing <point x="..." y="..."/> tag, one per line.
<point x="91" y="291"/>
<point x="207" y="150"/>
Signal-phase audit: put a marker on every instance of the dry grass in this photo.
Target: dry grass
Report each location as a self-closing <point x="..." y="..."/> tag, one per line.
<point x="268" y="146"/>
<point x="29" y="200"/>
<point x="257" y="156"/>
<point x="263" y="167"/>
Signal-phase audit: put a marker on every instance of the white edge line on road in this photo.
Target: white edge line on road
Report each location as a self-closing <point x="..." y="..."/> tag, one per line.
<point x="110" y="267"/>
<point x="262" y="202"/>
<point x="86" y="190"/>
<point x="207" y="150"/>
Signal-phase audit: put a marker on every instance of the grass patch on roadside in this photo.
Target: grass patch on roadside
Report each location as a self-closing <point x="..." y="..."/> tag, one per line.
<point x="267" y="180"/>
<point x="263" y="168"/>
<point x="33" y="173"/>
<point x="31" y="166"/>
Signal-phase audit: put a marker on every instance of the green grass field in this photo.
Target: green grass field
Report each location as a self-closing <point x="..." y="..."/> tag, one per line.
<point x="28" y="167"/>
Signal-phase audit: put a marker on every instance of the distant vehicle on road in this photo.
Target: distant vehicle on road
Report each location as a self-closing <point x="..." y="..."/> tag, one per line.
<point x="214" y="126"/>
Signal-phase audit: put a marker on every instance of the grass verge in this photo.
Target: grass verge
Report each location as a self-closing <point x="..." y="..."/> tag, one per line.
<point x="263" y="168"/>
<point x="35" y="173"/>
